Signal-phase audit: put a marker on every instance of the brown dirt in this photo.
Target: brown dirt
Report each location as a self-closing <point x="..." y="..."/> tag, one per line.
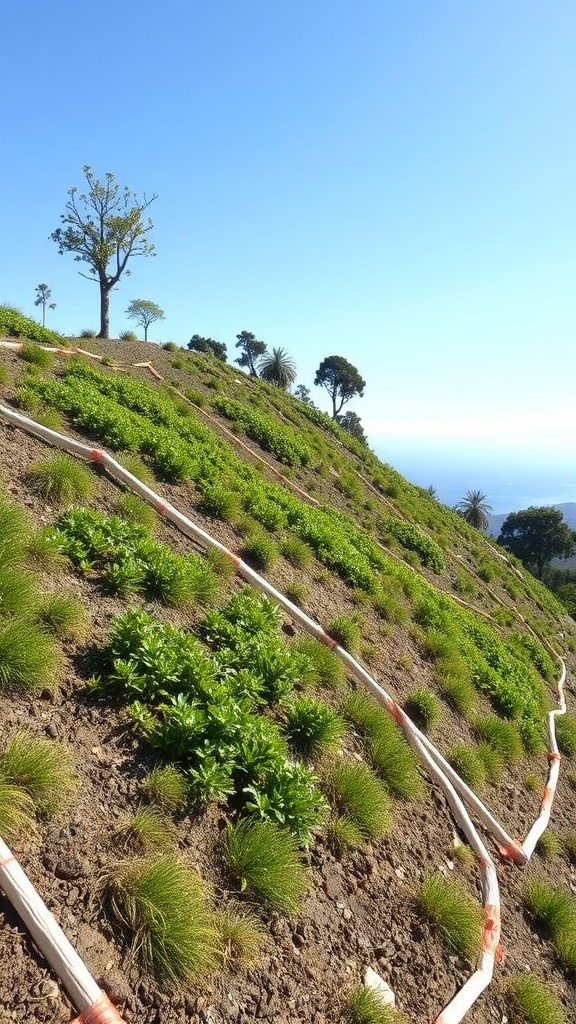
<point x="359" y="911"/>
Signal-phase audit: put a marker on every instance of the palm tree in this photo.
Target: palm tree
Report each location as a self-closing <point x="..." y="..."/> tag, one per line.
<point x="43" y="296"/>
<point x="276" y="367"/>
<point x="475" y="509"/>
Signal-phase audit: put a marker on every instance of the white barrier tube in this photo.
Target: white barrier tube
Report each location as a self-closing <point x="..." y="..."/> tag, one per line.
<point x="49" y="937"/>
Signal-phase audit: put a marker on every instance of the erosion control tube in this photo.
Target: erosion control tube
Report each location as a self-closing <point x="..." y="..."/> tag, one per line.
<point x="455" y="790"/>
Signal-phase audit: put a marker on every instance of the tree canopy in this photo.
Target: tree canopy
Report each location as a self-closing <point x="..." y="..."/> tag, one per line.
<point x="352" y="424"/>
<point x="474" y="508"/>
<point x="341" y="380"/>
<point x="210" y="347"/>
<point x="104" y="227"/>
<point x="252" y="349"/>
<point x="144" y="312"/>
<point x="276" y="367"/>
<point x="536" y="536"/>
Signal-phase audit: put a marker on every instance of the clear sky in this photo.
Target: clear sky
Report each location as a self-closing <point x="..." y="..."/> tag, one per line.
<point x="388" y="180"/>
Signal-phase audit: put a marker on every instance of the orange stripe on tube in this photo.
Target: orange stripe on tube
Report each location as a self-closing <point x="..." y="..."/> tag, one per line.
<point x="398" y="714"/>
<point x="491" y="930"/>
<point x="101" y="1012"/>
<point x="553" y="756"/>
<point x="547" y="798"/>
<point x="96" y="455"/>
<point x="512" y="852"/>
<point x="328" y="641"/>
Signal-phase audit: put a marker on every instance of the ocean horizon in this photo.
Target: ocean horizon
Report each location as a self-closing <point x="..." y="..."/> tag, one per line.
<point x="510" y="480"/>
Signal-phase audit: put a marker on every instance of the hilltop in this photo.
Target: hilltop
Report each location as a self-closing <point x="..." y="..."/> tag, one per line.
<point x="422" y="600"/>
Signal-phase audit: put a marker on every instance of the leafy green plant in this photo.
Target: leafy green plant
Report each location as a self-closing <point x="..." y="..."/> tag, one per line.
<point x="61" y="479"/>
<point x="455" y="915"/>
<point x="43" y="768"/>
<point x="16" y="811"/>
<point x="423" y="708"/>
<point x="163" y="905"/>
<point x="63" y="615"/>
<point x="166" y="786"/>
<point x="347" y="632"/>
<point x="360" y="797"/>
<point x="241" y="935"/>
<point x="531" y="1001"/>
<point x="29" y="658"/>
<point x="265" y="860"/>
<point x="148" y="830"/>
<point x="312" y="726"/>
<point x="364" y="1006"/>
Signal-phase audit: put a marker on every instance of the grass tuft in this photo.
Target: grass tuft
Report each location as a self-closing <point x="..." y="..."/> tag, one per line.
<point x="469" y="765"/>
<point x="163" y="905"/>
<point x="64" y="616"/>
<point x="267" y="863"/>
<point x="296" y="552"/>
<point x="388" y="750"/>
<point x="324" y="666"/>
<point x="167" y="787"/>
<point x="364" y="1006"/>
<point x="532" y="1002"/>
<point x="458" y="691"/>
<point x="260" y="552"/>
<point x="14" y="531"/>
<point x="455" y="915"/>
<point x="312" y="726"/>
<point x="347" y="632"/>
<point x="423" y="708"/>
<point x="148" y="829"/>
<point x="241" y="935"/>
<point x="548" y="846"/>
<point x="342" y="833"/>
<point x="502" y="736"/>
<point x="566" y="734"/>
<point x="43" y="768"/>
<point x="34" y="355"/>
<point x="553" y="909"/>
<point x="569" y="843"/>
<point x="29" y="659"/>
<point x="43" y="549"/>
<point x="61" y="479"/>
<point x="361" y="797"/>
<point x="17" y="591"/>
<point x="134" y="508"/>
<point x="16" y="811"/>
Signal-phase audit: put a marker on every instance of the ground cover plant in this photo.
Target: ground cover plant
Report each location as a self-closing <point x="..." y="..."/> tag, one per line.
<point x="453" y="913"/>
<point x="61" y="479"/>
<point x="554" y="910"/>
<point x="264" y="858"/>
<point x="361" y="798"/>
<point x="531" y="1001"/>
<point x="385" y="744"/>
<point x="44" y="769"/>
<point x="364" y="1006"/>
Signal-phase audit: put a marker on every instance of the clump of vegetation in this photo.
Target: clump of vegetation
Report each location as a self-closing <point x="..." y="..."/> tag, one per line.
<point x="361" y="798"/>
<point x="469" y="765"/>
<point x="387" y="749"/>
<point x="296" y="551"/>
<point x="241" y="935"/>
<point x="531" y="1002"/>
<point x="312" y="726"/>
<point x="265" y="860"/>
<point x="163" y="905"/>
<point x="342" y="833"/>
<point x="566" y="734"/>
<point x="61" y="479"/>
<point x="347" y="632"/>
<point x="569" y="844"/>
<point x="455" y="915"/>
<point x="423" y="708"/>
<point x="459" y="693"/>
<point x="64" y="615"/>
<point x="167" y="787"/>
<point x="364" y="1006"/>
<point x="548" y="845"/>
<point x="43" y="549"/>
<point x="320" y="664"/>
<point x="16" y="811"/>
<point x="36" y="356"/>
<point x="29" y="659"/>
<point x="148" y="830"/>
<point x="503" y="736"/>
<point x="138" y="468"/>
<point x="260" y="552"/>
<point x="134" y="508"/>
<point x="44" y="769"/>
<point x="555" y="911"/>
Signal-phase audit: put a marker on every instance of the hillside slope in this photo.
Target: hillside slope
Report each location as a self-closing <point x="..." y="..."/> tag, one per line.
<point x="427" y="603"/>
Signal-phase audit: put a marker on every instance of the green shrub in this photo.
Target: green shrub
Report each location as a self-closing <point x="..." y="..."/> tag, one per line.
<point x="128" y="336"/>
<point x="163" y="905"/>
<point x="36" y="356"/>
<point x="532" y="1002"/>
<point x="87" y="332"/>
<point x="501" y="735"/>
<point x="260" y="552"/>
<point x="167" y="787"/>
<point x="364" y="1006"/>
<point x="312" y="726"/>
<point x="455" y="915"/>
<point x="422" y="707"/>
<point x="566" y="734"/>
<point x="265" y="860"/>
<point x="29" y="659"/>
<point x="43" y="768"/>
<point x="170" y="346"/>
<point x="361" y="797"/>
<point x="548" y="845"/>
<point x="63" y="615"/>
<point x="61" y="479"/>
<point x="347" y="632"/>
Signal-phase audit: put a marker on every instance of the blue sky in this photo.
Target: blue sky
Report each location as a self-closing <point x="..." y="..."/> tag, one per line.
<point x="391" y="182"/>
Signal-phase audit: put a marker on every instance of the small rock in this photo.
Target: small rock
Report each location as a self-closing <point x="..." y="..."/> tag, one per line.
<point x="381" y="988"/>
<point x="52" y="731"/>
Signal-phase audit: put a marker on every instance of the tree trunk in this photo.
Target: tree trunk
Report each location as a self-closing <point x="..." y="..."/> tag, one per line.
<point x="104" y="311"/>
<point x="145" y="332"/>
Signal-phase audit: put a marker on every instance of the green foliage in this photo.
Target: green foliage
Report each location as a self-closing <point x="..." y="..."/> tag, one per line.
<point x="548" y="845"/>
<point x="241" y="935"/>
<point x="468" y="764"/>
<point x="492" y="761"/>
<point x="260" y="552"/>
<point x="61" y="479"/>
<point x="569" y="844"/>
<point x="297" y="592"/>
<point x="360" y="797"/>
<point x="144" y="312"/>
<point x="341" y="380"/>
<point x="347" y="632"/>
<point x="167" y="787"/>
<point x="265" y="860"/>
<point x="277" y="368"/>
<point x="319" y="664"/>
<point x="14" y="325"/>
<point x="148" y="830"/>
<point x="536" y="536"/>
<point x="43" y="768"/>
<point x="532" y="1002"/>
<point x="459" y="692"/>
<point x="221" y="502"/>
<point x="16" y="811"/>
<point x="29" y="659"/>
<point x="423" y="708"/>
<point x="312" y="726"/>
<point x="63" y="615"/>
<point x="342" y="833"/>
<point x="553" y="909"/>
<point x="503" y="736"/>
<point x="134" y="508"/>
<point x="364" y="1006"/>
<point x="566" y="734"/>
<point x="388" y="750"/>
<point x="282" y="442"/>
<point x="162" y="904"/>
<point x="4" y="375"/>
<point x="414" y="539"/>
<point x="17" y="591"/>
<point x="454" y="914"/>
<point x="296" y="551"/>
<point x="138" y="468"/>
<point x="36" y="356"/>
